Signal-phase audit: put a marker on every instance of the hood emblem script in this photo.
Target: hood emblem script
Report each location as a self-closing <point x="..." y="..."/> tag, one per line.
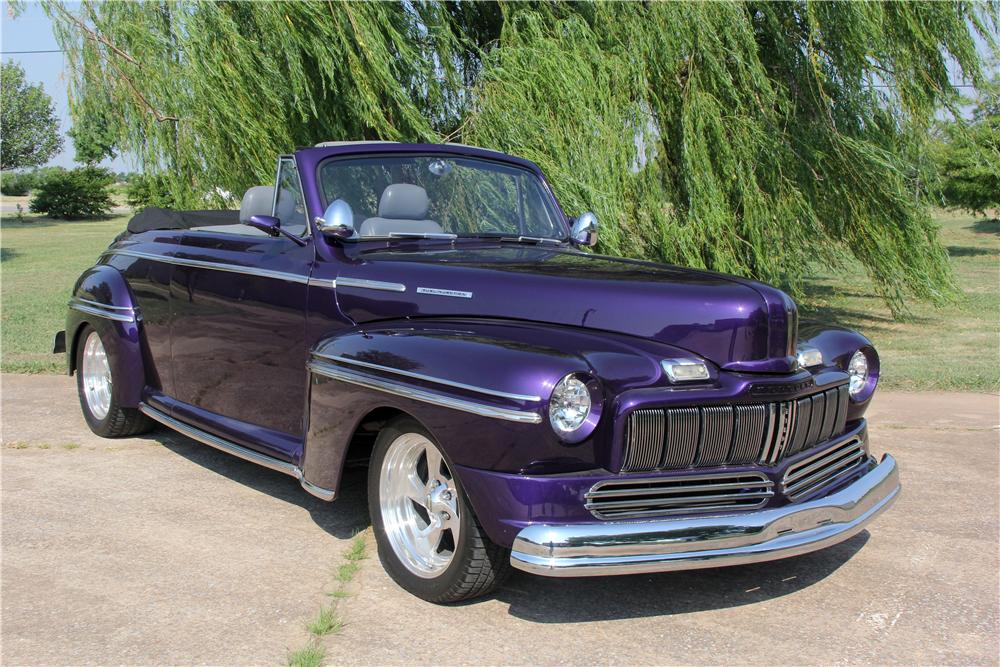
<point x="444" y="292"/>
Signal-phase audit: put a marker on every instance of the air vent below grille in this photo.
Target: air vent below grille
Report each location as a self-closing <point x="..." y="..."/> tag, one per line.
<point x="629" y="499"/>
<point x="817" y="471"/>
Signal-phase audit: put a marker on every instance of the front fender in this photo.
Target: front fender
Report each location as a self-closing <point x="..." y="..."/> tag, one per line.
<point x="838" y="345"/>
<point x="482" y="388"/>
<point x="102" y="299"/>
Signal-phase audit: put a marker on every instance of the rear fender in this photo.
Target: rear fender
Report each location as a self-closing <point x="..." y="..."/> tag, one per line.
<point x="102" y="299"/>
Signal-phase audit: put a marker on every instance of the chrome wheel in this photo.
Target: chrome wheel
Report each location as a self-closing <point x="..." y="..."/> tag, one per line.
<point x="418" y="501"/>
<point x="96" y="374"/>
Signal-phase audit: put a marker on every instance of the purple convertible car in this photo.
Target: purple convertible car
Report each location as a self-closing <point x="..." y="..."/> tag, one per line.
<point x="519" y="401"/>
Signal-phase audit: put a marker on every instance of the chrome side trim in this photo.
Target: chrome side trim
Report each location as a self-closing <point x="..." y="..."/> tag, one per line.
<point x="371" y="284"/>
<point x="236" y="450"/>
<point x="322" y="282"/>
<point x="397" y="389"/>
<point x="636" y="547"/>
<point x="429" y="378"/>
<point x="116" y="313"/>
<point x="218" y="266"/>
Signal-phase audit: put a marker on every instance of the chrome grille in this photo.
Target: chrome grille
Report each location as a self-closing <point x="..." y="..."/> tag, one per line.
<point x="629" y="499"/>
<point x="765" y="433"/>
<point x="819" y="470"/>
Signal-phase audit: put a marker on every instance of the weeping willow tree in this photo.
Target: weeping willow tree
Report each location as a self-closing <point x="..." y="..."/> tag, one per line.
<point x="752" y="138"/>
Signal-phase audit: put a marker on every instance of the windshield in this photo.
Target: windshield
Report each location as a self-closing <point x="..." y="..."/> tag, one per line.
<point x="403" y="195"/>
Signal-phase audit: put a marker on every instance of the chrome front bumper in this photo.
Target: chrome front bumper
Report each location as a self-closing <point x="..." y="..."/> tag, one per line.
<point x="593" y="549"/>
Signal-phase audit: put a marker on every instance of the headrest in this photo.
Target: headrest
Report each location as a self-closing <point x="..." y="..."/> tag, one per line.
<point x="402" y="201"/>
<point x="260" y="198"/>
<point x="257" y="201"/>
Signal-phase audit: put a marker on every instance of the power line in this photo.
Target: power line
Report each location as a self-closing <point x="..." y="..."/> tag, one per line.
<point x="17" y="53"/>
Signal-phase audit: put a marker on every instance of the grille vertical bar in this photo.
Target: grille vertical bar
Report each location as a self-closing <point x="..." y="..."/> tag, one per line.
<point x="716" y="434"/>
<point x="765" y="433"/>
<point x="682" y="431"/>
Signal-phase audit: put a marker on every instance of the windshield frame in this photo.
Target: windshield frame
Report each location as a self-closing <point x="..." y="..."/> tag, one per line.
<point x="545" y="191"/>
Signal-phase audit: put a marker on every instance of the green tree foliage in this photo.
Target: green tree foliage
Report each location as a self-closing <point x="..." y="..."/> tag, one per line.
<point x="74" y="194"/>
<point x="29" y="129"/>
<point x="16" y="183"/>
<point x="745" y="137"/>
<point x="968" y="156"/>
<point x="94" y="135"/>
<point x="149" y="190"/>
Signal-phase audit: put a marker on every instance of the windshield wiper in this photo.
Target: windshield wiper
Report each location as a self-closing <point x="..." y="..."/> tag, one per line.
<point x="422" y="235"/>
<point x="534" y="240"/>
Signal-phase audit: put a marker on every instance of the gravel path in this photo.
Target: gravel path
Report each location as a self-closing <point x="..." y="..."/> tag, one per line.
<point x="158" y="550"/>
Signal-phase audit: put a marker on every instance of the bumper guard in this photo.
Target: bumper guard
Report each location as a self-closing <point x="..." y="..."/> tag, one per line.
<point x="594" y="549"/>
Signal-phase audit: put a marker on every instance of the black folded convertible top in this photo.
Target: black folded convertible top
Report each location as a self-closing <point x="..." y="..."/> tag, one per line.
<point x="167" y="218"/>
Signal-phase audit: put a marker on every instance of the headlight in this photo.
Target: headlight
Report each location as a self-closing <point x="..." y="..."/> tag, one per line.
<point x="570" y="405"/>
<point x="858" y="370"/>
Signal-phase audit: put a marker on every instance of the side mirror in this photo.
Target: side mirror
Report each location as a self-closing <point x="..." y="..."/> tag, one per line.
<point x="338" y="220"/>
<point x="271" y="226"/>
<point x="585" y="230"/>
<point x="268" y="224"/>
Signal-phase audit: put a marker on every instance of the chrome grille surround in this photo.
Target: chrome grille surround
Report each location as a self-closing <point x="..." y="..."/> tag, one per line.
<point x="821" y="469"/>
<point x="638" y="498"/>
<point x="755" y="433"/>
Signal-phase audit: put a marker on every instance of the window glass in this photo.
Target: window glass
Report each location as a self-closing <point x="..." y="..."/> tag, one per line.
<point x="463" y="196"/>
<point x="288" y="205"/>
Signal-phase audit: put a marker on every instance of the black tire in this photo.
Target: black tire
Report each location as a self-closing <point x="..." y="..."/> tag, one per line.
<point x="478" y="566"/>
<point x="119" y="422"/>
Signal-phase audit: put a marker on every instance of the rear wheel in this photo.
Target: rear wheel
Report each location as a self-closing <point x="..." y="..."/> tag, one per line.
<point x="429" y="540"/>
<point x="95" y="386"/>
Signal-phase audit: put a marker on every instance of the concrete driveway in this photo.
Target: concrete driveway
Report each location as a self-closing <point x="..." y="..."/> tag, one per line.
<point x="158" y="550"/>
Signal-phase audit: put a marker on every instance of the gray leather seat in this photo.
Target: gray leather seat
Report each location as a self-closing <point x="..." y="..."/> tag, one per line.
<point x="401" y="208"/>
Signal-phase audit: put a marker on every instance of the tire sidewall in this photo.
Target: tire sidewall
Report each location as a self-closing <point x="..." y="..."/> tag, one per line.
<point x="432" y="589"/>
<point x="99" y="426"/>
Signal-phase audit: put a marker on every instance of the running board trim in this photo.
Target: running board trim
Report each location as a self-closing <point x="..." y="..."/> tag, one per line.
<point x="236" y="450"/>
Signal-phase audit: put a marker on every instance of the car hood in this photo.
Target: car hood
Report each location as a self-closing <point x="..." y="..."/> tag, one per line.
<point x="737" y="324"/>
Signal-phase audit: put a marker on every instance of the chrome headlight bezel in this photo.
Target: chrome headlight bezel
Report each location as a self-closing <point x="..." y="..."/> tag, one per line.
<point x="863" y="370"/>
<point x="587" y="390"/>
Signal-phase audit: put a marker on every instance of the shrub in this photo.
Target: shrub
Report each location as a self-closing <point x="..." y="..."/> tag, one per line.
<point x="149" y="190"/>
<point x="16" y="184"/>
<point x="74" y="194"/>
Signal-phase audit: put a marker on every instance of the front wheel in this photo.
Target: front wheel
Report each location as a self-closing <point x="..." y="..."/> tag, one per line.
<point x="429" y="540"/>
<point x="95" y="385"/>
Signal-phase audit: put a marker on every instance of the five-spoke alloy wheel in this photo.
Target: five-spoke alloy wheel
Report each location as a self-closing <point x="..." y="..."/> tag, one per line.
<point x="428" y="538"/>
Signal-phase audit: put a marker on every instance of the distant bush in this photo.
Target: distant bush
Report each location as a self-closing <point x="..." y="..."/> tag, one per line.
<point x="16" y="184"/>
<point x="74" y="194"/>
<point x="148" y="190"/>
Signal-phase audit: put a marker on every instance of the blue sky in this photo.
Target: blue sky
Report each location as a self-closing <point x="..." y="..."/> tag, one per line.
<point x="32" y="31"/>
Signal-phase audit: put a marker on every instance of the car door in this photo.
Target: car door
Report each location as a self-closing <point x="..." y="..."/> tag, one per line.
<point x="238" y="327"/>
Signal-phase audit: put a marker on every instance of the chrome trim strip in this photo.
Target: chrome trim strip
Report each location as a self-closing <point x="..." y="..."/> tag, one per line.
<point x="236" y="450"/>
<point x="218" y="266"/>
<point x="98" y="304"/>
<point x="106" y="312"/>
<point x="636" y="547"/>
<point x="328" y="370"/>
<point x="430" y="378"/>
<point x="371" y="284"/>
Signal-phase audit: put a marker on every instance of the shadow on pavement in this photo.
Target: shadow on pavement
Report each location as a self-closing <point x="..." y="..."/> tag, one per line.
<point x="545" y="600"/>
<point x="342" y="519"/>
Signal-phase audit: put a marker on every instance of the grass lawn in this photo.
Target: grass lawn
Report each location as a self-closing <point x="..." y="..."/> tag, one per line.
<point x="956" y="346"/>
<point x="40" y="260"/>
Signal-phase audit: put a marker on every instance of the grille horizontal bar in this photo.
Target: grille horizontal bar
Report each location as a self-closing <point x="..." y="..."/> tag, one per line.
<point x="629" y="499"/>
<point x="765" y="433"/>
<point x="820" y="469"/>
